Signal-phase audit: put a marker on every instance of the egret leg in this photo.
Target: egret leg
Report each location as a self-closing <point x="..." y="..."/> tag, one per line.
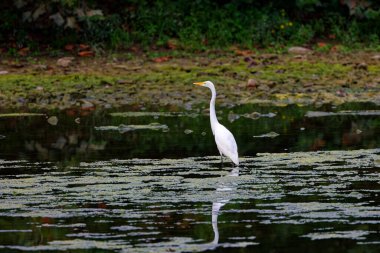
<point x="221" y="162"/>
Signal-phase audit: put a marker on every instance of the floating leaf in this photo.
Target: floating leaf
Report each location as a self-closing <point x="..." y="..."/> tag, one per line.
<point x="53" y="120"/>
<point x="268" y="135"/>
<point x="188" y="131"/>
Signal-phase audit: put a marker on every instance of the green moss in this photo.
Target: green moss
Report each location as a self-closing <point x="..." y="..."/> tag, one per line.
<point x="168" y="83"/>
<point x="375" y="69"/>
<point x="303" y="70"/>
<point x="51" y="82"/>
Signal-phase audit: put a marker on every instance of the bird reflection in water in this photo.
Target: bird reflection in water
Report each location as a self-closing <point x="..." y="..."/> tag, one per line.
<point x="223" y="188"/>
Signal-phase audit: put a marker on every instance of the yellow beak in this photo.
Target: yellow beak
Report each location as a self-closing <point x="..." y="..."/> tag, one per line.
<point x="200" y="83"/>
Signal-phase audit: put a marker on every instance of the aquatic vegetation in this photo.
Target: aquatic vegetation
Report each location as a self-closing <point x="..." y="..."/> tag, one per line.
<point x="126" y="128"/>
<point x="22" y="114"/>
<point x="268" y="135"/>
<point x="140" y="204"/>
<point x="87" y="187"/>
<point x="311" y="114"/>
<point x="151" y="114"/>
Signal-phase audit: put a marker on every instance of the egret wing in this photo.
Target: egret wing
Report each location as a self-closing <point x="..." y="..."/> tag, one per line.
<point x="226" y="143"/>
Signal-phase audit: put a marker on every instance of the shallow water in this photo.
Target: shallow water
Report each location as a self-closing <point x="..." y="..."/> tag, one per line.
<point x="86" y="185"/>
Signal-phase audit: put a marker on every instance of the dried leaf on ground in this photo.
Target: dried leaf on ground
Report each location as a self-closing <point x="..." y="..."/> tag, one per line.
<point x="162" y="59"/>
<point x="85" y="53"/>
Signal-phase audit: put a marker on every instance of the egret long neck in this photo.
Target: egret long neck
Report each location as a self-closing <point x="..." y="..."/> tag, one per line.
<point x="213" y="119"/>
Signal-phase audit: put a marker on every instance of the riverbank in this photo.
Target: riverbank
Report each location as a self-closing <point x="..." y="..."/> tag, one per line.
<point x="165" y="80"/>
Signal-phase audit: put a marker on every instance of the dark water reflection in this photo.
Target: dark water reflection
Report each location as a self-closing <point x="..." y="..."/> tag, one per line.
<point x="71" y="187"/>
<point x="188" y="133"/>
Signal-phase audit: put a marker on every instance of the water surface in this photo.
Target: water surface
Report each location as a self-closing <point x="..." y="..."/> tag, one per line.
<point x="98" y="183"/>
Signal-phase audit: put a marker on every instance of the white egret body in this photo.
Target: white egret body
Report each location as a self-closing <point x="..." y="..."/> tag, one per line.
<point x="224" y="139"/>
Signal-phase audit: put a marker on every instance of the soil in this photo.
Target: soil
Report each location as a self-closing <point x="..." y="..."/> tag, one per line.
<point x="241" y="77"/>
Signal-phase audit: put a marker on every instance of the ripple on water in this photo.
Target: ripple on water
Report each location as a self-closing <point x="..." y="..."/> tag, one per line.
<point x="192" y="204"/>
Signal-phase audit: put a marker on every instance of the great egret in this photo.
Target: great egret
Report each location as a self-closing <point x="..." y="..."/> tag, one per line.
<point x="224" y="139"/>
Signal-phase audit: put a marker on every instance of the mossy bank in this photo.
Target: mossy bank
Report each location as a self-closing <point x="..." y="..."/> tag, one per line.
<point x="142" y="80"/>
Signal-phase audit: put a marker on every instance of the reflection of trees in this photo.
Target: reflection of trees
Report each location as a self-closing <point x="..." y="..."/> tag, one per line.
<point x="341" y="132"/>
<point x="70" y="142"/>
<point x="64" y="146"/>
<point x="35" y="139"/>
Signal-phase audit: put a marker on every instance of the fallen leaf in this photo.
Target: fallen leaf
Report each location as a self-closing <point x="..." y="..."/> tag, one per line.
<point x="162" y="59"/>
<point x="83" y="46"/>
<point x="243" y="52"/>
<point x="69" y="47"/>
<point x="85" y="53"/>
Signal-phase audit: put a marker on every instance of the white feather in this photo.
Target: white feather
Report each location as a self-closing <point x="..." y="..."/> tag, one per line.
<point x="226" y="143"/>
<point x="224" y="139"/>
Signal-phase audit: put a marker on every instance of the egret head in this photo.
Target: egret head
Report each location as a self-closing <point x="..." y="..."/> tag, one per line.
<point x="207" y="84"/>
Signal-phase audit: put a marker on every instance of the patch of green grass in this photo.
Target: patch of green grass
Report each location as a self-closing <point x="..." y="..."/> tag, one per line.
<point x="303" y="70"/>
<point x="374" y="69"/>
<point x="50" y="83"/>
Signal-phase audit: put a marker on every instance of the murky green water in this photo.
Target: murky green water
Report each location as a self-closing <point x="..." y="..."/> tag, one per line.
<point x="150" y="182"/>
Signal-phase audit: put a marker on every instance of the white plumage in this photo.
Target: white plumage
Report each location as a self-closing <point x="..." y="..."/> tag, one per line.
<point x="224" y="139"/>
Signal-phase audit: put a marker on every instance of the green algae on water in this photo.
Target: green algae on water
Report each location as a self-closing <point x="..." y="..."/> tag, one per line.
<point x="126" y="128"/>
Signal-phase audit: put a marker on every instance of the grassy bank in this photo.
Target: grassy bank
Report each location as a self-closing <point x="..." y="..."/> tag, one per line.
<point x="142" y="80"/>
